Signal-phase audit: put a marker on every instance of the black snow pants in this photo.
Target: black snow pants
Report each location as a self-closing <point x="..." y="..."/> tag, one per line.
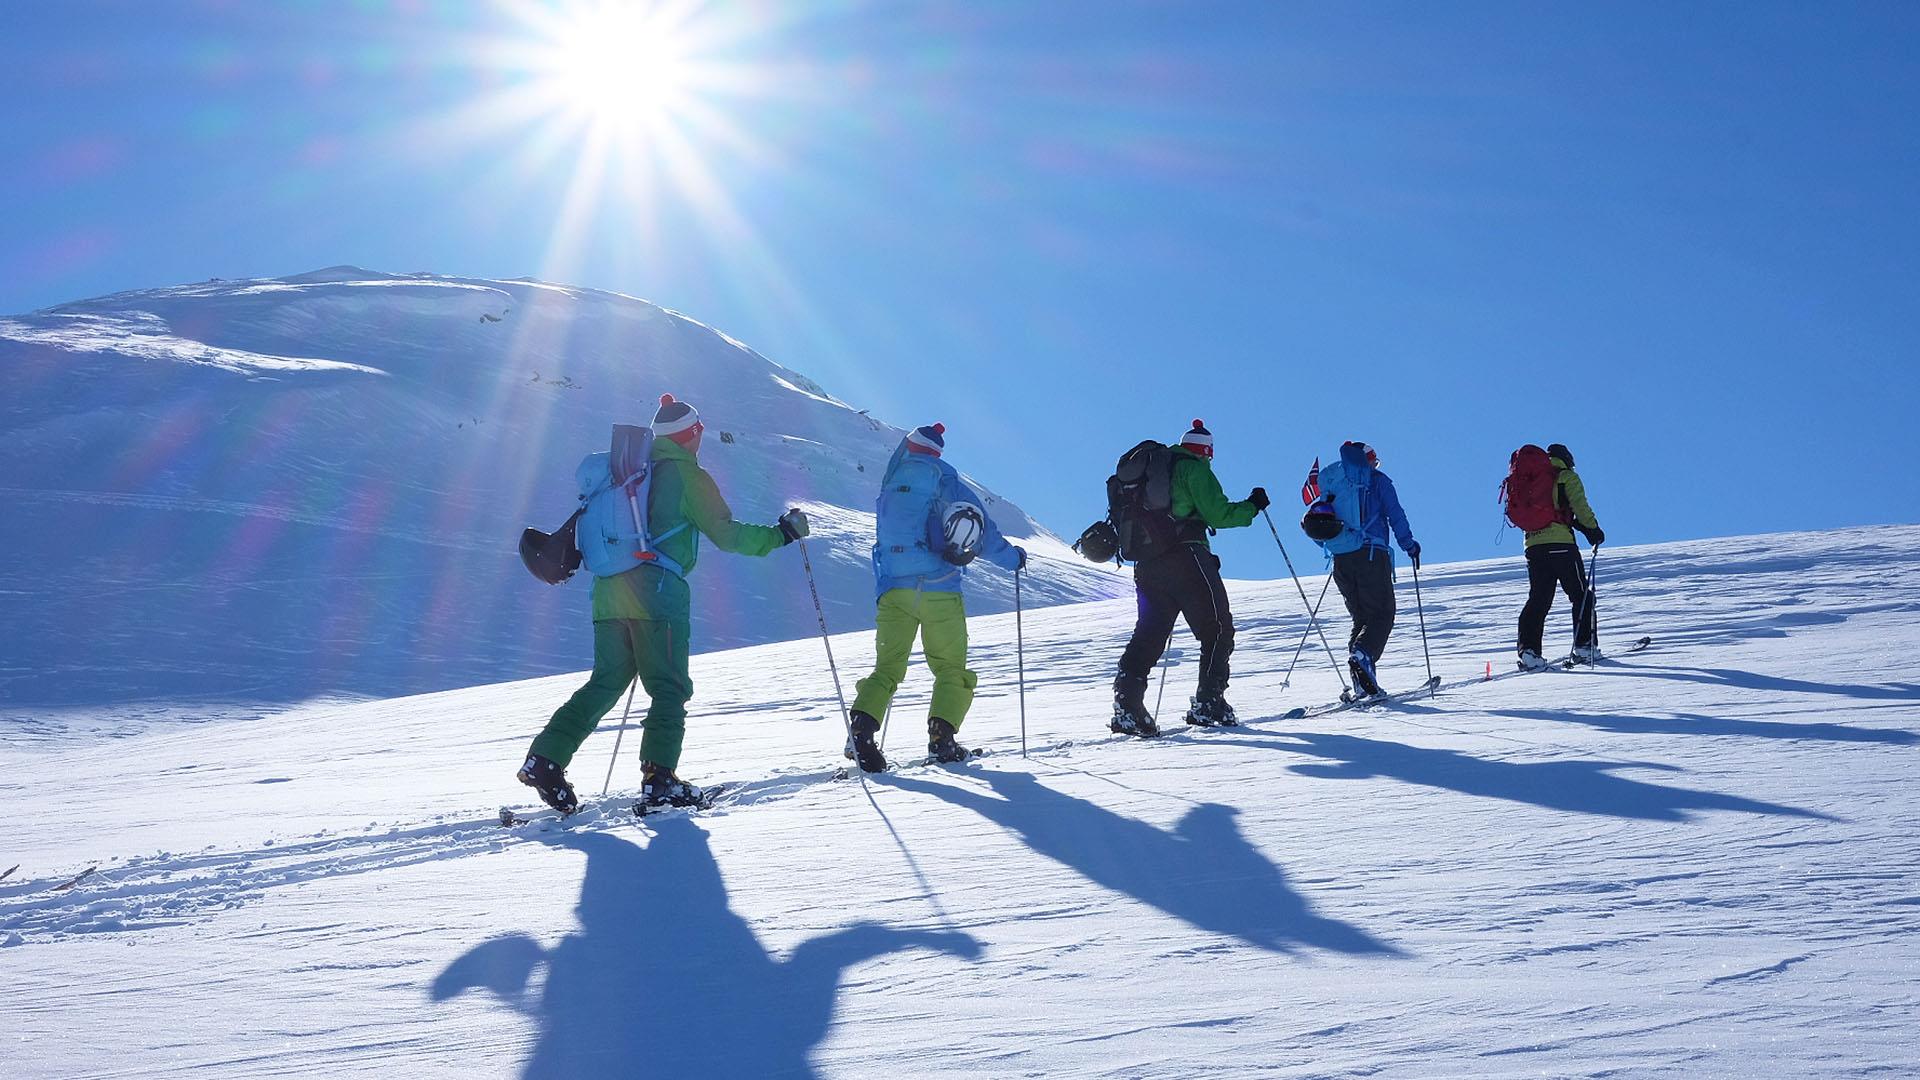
<point x="1551" y="566"/>
<point x="1365" y="581"/>
<point x="1182" y="582"/>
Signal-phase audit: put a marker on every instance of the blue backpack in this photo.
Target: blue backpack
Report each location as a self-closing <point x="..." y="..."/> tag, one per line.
<point x="1350" y="499"/>
<point x="613" y="531"/>
<point x="905" y="516"/>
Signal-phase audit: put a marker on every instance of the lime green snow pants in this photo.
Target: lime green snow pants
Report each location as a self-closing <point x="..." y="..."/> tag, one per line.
<point x="940" y="619"/>
<point x="653" y="650"/>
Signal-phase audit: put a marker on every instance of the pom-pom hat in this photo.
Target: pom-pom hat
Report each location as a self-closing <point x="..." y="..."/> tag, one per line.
<point x="674" y="417"/>
<point x="930" y="439"/>
<point x="1198" y="439"/>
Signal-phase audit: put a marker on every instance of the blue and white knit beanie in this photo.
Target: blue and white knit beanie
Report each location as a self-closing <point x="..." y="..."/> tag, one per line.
<point x="928" y="440"/>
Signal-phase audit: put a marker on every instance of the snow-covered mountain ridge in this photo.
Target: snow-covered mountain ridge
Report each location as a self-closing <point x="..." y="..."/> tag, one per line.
<point x="267" y="489"/>
<point x="1695" y="861"/>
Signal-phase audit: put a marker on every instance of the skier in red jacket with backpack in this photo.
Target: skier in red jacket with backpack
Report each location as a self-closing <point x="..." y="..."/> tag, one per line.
<point x="1546" y="498"/>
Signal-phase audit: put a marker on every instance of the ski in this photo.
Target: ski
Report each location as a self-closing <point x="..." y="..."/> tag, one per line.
<point x="845" y="772"/>
<point x="1570" y="661"/>
<point x="75" y="880"/>
<point x="1350" y="702"/>
<point x="710" y="796"/>
<point x="9" y="872"/>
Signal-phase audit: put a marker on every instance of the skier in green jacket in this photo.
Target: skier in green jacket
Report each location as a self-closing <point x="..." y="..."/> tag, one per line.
<point x="642" y="612"/>
<point x="1185" y="581"/>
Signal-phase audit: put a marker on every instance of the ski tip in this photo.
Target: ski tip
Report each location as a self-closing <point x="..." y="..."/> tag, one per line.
<point x="1294" y="714"/>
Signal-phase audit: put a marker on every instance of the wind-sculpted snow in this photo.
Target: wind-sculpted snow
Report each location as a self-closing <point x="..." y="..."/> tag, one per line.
<point x="1696" y="860"/>
<point x="267" y="490"/>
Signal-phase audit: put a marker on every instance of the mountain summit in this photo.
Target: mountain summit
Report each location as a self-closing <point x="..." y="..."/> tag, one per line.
<point x="272" y="488"/>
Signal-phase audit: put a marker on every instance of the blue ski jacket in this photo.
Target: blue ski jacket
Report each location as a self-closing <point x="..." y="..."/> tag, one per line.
<point x="913" y="494"/>
<point x="1364" y="499"/>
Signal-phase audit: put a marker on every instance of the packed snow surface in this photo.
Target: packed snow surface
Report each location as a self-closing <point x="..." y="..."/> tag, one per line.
<point x="266" y="490"/>
<point x="1695" y="860"/>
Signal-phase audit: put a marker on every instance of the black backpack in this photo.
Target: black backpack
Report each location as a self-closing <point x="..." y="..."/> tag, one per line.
<point x="1140" y="502"/>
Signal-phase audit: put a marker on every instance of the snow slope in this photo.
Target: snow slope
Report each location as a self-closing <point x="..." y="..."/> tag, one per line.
<point x="270" y="489"/>
<point x="1696" y="861"/>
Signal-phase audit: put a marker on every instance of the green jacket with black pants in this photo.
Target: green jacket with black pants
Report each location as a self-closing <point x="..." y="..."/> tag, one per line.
<point x="1553" y="562"/>
<point x="1185" y="581"/>
<point x="641" y="617"/>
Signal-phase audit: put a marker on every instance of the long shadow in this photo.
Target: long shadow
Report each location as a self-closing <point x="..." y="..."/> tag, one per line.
<point x="1203" y="871"/>
<point x="1749" y="680"/>
<point x="663" y="979"/>
<point x="1583" y="787"/>
<point x="1695" y="724"/>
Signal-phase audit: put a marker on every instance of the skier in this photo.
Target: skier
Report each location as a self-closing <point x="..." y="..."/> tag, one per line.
<point x="639" y="532"/>
<point x="1180" y="577"/>
<point x="929" y="525"/>
<point x="1366" y="503"/>
<point x="1551" y="498"/>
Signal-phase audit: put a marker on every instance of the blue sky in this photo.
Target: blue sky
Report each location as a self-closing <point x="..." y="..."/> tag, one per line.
<point x="1683" y="239"/>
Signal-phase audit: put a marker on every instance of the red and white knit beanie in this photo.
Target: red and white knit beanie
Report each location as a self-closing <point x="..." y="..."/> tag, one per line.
<point x="1199" y="440"/>
<point x="674" y="418"/>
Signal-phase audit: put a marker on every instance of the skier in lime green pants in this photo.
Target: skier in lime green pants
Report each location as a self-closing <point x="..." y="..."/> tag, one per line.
<point x="929" y="525"/>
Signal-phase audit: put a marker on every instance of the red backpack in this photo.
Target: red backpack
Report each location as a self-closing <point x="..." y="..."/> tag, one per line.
<point x="1528" y="490"/>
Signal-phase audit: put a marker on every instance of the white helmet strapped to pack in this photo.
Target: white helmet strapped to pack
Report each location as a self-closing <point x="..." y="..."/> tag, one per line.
<point x="964" y="528"/>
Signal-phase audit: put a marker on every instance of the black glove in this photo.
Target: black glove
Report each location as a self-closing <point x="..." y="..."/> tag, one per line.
<point x="1259" y="499"/>
<point x="1413" y="552"/>
<point x="1022" y="552"/>
<point x="1595" y="536"/>
<point x="793" y="524"/>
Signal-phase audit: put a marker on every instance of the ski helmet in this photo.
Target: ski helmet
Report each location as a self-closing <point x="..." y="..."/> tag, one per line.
<point x="964" y="527"/>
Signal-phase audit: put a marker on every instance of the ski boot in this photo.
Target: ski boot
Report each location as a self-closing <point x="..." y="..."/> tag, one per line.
<point x="1587" y="654"/>
<point x="861" y="747"/>
<point x="550" y="781"/>
<point x="1211" y="712"/>
<point x="1532" y="661"/>
<point x="1132" y="718"/>
<point x="940" y="744"/>
<point x="1360" y="665"/>
<point x="659" y="787"/>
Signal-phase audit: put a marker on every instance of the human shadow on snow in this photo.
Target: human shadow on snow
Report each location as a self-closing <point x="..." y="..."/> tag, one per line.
<point x="1584" y="787"/>
<point x="1695" y="724"/>
<point x="1203" y="871"/>
<point x="1750" y="680"/>
<point x="663" y="979"/>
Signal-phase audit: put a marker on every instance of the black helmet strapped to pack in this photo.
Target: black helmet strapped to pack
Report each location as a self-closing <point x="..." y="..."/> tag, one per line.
<point x="551" y="557"/>
<point x="1100" y="543"/>
<point x="964" y="529"/>
<point x="1320" y="523"/>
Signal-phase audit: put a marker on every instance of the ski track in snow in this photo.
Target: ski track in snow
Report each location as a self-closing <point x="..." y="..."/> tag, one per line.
<point x="1695" y="861"/>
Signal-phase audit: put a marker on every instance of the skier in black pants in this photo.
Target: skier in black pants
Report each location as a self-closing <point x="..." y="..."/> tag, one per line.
<point x="1363" y="498"/>
<point x="1184" y="581"/>
<point x="1553" y="562"/>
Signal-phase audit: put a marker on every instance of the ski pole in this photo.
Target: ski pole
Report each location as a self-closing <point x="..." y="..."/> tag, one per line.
<point x="1165" y="661"/>
<point x="1593" y="597"/>
<point x="1020" y="651"/>
<point x="621" y="732"/>
<point x="827" y="640"/>
<point x="1287" y="679"/>
<point x="1422" y="610"/>
<point x="1312" y="615"/>
<point x="628" y="710"/>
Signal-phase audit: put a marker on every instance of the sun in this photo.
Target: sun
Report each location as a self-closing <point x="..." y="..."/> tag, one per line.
<point x="621" y="66"/>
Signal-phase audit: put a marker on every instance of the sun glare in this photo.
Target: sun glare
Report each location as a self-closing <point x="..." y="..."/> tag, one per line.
<point x="622" y="66"/>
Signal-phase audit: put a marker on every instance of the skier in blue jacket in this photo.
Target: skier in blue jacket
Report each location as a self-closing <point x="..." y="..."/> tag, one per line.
<point x="929" y="525"/>
<point x="1365" y="501"/>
